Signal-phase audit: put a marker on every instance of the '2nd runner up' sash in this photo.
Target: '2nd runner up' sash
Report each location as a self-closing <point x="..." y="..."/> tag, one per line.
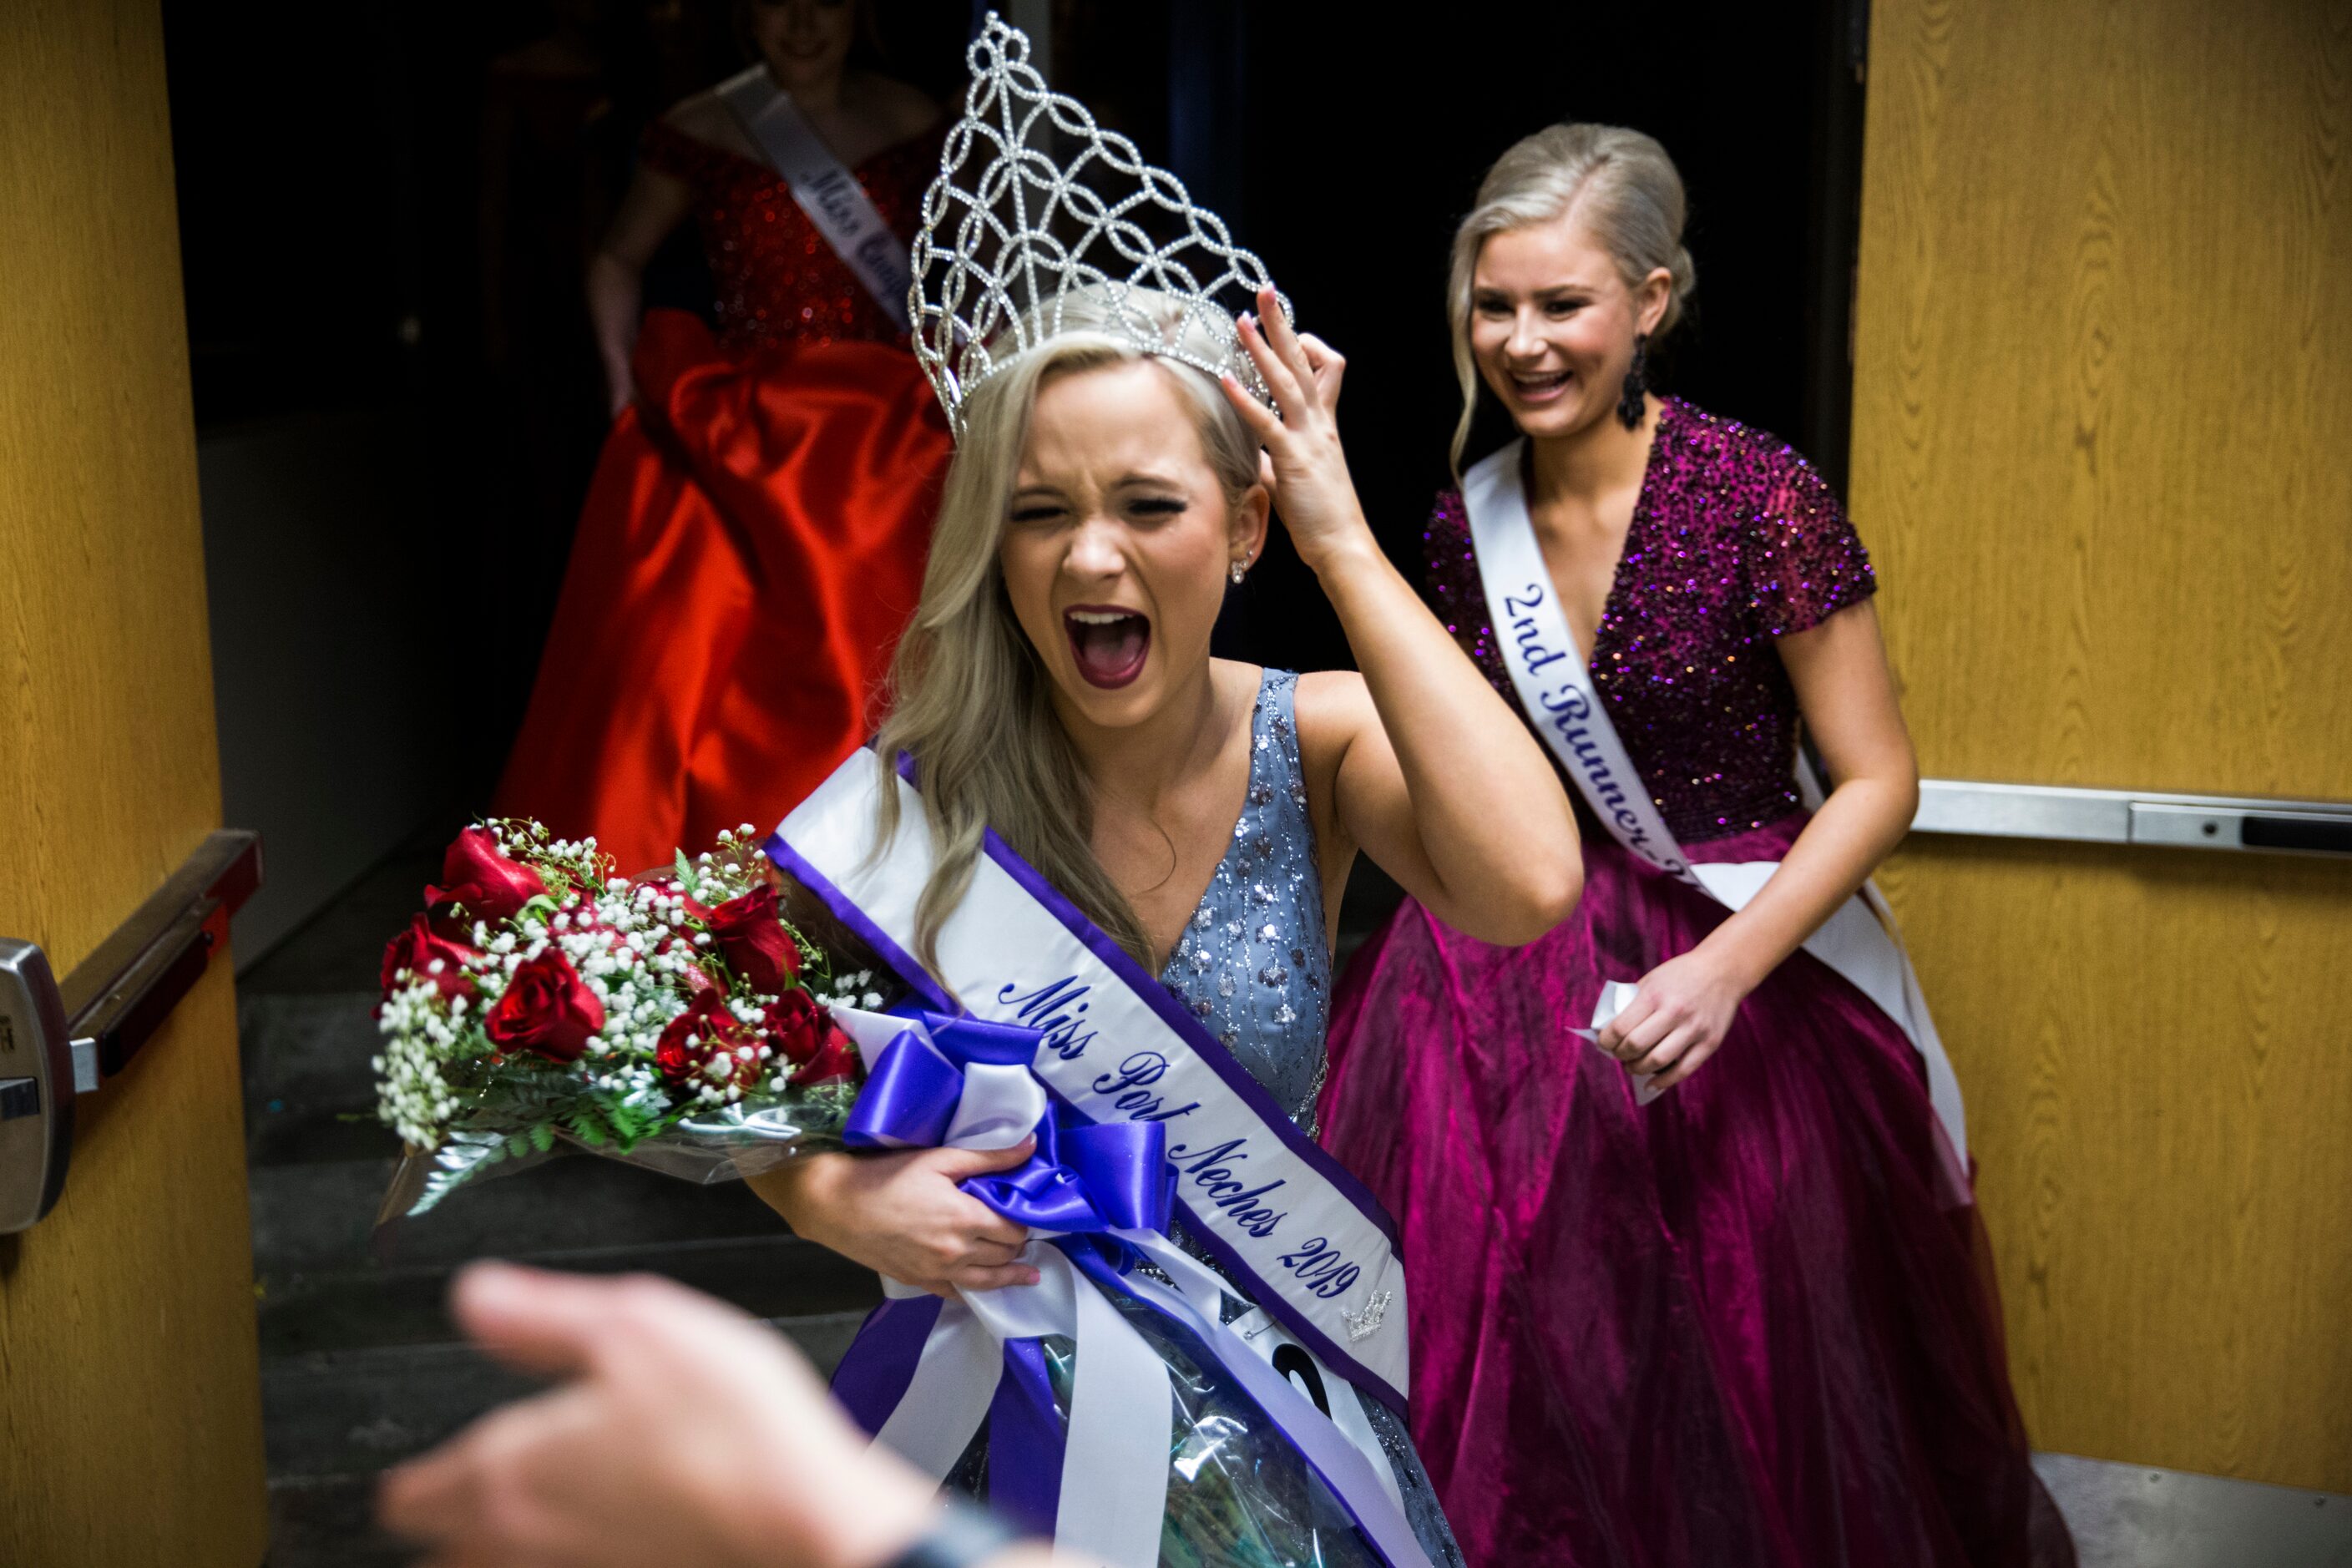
<point x="1532" y="636"/>
<point x="1115" y="1048"/>
<point x="836" y="203"/>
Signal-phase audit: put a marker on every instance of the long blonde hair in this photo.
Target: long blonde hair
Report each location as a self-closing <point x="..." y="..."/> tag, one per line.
<point x="1622" y="183"/>
<point x="968" y="696"/>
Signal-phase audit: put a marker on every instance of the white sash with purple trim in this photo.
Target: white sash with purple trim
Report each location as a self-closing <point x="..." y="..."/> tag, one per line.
<point x="822" y="186"/>
<point x="1114" y="1048"/>
<point x="1532" y="637"/>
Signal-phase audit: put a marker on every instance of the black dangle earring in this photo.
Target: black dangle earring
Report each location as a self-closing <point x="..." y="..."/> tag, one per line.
<point x="1629" y="406"/>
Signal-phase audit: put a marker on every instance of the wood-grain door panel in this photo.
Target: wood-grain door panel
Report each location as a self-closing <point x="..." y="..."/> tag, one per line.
<point x="2103" y="454"/>
<point x="130" y="1397"/>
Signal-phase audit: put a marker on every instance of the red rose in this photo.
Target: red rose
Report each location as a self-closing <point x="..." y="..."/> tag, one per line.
<point x="548" y="1010"/>
<point x="837" y="1059"/>
<point x="755" y="943"/>
<point x="796" y="1025"/>
<point x="706" y="1034"/>
<point x="416" y="949"/>
<point x="487" y="885"/>
<point x="805" y="1035"/>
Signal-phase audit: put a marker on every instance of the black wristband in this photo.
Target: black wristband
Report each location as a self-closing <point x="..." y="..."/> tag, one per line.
<point x="962" y="1537"/>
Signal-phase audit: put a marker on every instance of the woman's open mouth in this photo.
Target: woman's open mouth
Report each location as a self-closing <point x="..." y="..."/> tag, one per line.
<point x="1540" y="387"/>
<point x="1108" y="644"/>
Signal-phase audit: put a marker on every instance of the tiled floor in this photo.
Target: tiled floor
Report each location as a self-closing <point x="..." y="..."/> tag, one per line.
<point x="2135" y="1516"/>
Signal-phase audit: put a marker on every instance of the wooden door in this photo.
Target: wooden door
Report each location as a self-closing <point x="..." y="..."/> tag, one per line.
<point x="130" y="1399"/>
<point x="2102" y="450"/>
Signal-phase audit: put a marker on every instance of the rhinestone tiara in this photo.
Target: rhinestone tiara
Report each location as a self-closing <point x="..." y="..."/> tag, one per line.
<point x="1012" y="235"/>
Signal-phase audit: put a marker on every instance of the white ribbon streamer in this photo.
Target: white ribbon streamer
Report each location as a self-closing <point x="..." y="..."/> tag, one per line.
<point x="1859" y="941"/>
<point x="1114" y="1498"/>
<point x="1115" y="1471"/>
<point x="949" y="1396"/>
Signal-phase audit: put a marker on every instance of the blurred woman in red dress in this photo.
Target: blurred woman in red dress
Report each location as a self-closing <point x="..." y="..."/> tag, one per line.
<point x="754" y="536"/>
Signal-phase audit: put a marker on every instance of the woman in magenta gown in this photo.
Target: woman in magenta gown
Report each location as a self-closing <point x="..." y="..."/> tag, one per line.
<point x="1751" y="1321"/>
<point x="754" y="536"/>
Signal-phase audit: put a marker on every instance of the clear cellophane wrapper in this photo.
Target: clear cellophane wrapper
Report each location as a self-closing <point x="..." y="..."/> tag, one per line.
<point x="726" y="1146"/>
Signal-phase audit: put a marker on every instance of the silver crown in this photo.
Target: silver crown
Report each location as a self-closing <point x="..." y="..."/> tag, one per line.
<point x="1364" y="1323"/>
<point x="1010" y="235"/>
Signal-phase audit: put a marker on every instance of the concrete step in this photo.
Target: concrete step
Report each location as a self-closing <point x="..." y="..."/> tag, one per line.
<point x="309" y="1093"/>
<point x="309" y="1045"/>
<point x="352" y="1412"/>
<point x="321" y="1217"/>
<point x="329" y="1521"/>
<point x="336" y="1419"/>
<point x="779" y="1277"/>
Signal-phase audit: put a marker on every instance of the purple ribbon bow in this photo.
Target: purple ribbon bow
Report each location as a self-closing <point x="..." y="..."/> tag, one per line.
<point x="1084" y="1181"/>
<point x="1085" y="1178"/>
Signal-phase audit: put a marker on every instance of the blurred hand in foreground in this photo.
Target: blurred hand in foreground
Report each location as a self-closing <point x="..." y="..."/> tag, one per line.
<point x="680" y="1431"/>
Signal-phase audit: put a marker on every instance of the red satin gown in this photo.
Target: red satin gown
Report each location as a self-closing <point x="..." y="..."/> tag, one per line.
<point x="753" y="538"/>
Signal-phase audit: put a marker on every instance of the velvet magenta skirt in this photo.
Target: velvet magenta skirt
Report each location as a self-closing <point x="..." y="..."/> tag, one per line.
<point x="752" y="544"/>
<point x="1750" y="1324"/>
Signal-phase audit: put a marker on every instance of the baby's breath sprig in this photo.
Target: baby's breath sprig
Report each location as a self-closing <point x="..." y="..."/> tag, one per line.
<point x="566" y="865"/>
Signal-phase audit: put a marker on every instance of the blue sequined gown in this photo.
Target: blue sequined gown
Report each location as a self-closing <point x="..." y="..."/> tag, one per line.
<point x="1254" y="966"/>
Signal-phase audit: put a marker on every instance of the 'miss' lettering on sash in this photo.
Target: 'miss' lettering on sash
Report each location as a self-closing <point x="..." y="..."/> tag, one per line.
<point x="822" y="186"/>
<point x="1304" y="1238"/>
<point x="1555" y="688"/>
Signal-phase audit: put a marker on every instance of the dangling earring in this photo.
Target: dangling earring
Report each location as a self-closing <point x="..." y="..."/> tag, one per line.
<point x="1630" y="405"/>
<point x="1241" y="570"/>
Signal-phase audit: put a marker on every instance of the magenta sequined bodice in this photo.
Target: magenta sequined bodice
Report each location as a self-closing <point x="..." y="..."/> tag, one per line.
<point x="1735" y="542"/>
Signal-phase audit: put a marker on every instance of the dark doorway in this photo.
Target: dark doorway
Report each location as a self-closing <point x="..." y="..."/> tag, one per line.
<point x="383" y="210"/>
<point x="1359" y="138"/>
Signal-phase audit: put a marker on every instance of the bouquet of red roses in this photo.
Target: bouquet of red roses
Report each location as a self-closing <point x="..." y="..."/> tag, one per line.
<point x="673" y="1021"/>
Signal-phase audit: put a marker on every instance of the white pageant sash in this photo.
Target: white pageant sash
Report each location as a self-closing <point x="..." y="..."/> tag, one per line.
<point x="1532" y="637"/>
<point x="822" y="186"/>
<point x="1303" y="1236"/>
